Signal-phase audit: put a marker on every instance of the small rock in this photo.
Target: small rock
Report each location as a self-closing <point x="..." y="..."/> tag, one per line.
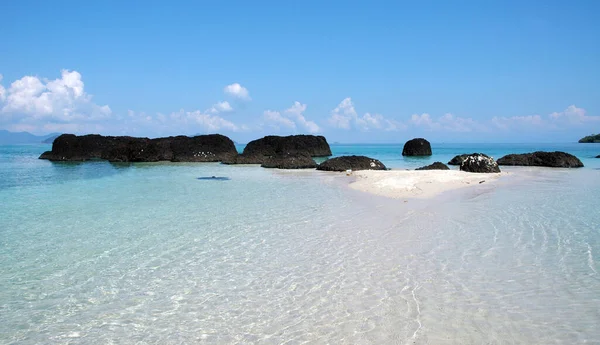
<point x="435" y="166"/>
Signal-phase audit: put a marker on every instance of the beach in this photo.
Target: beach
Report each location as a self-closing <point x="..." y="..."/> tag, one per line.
<point x="401" y="184"/>
<point x="127" y="253"/>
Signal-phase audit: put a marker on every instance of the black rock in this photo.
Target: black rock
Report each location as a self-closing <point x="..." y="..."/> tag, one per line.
<point x="202" y="148"/>
<point x="242" y="159"/>
<point x="555" y="159"/>
<point x="598" y="156"/>
<point x="434" y="166"/>
<point x="417" y="147"/>
<point x="260" y="150"/>
<point x="344" y="163"/>
<point x="479" y="163"/>
<point x="457" y="160"/>
<point x="272" y="145"/>
<point x="289" y="162"/>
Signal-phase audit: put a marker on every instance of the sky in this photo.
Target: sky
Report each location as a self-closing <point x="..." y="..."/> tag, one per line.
<point x="353" y="71"/>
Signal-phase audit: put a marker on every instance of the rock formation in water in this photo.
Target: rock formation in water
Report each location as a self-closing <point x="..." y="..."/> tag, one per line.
<point x="434" y="166"/>
<point x="598" y="156"/>
<point x="260" y="150"/>
<point x="344" y="163"/>
<point x="479" y="163"/>
<point x="417" y="147"/>
<point x="202" y="148"/>
<point x="554" y="159"/>
<point x="301" y="161"/>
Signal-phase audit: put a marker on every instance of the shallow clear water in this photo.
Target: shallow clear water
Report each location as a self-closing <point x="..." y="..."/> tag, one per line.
<point x="148" y="253"/>
<point x="391" y="154"/>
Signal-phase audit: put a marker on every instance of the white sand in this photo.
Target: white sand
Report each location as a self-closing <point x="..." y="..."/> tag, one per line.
<point x="416" y="183"/>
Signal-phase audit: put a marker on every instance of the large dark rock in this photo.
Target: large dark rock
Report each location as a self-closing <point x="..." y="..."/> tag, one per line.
<point x="554" y="159"/>
<point x="417" y="147"/>
<point x="260" y="150"/>
<point x="457" y="160"/>
<point x="344" y="163"/>
<point x="202" y="148"/>
<point x="290" y="162"/>
<point x="272" y="145"/>
<point x="241" y="159"/>
<point x="434" y="166"/>
<point x="598" y="156"/>
<point x="479" y="163"/>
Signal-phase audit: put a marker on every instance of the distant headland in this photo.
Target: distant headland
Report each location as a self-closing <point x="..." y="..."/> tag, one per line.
<point x="594" y="138"/>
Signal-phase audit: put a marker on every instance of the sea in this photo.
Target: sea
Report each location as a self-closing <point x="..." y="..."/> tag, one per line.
<point x="156" y="253"/>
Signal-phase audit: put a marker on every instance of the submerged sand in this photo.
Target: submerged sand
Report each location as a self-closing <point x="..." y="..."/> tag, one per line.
<point x="417" y="183"/>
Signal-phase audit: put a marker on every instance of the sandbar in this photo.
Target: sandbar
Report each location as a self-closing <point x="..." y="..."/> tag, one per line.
<point x="399" y="184"/>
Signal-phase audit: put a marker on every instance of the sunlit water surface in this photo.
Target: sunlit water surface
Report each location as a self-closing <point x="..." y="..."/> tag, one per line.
<point x="97" y="253"/>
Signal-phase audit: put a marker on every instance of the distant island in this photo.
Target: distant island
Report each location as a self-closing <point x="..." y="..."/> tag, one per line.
<point x="594" y="138"/>
<point x="17" y="138"/>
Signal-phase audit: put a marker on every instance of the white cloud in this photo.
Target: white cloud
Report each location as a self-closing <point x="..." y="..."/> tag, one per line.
<point x="238" y="91"/>
<point x="377" y="121"/>
<point x="421" y="120"/>
<point x="447" y="122"/>
<point x="455" y="123"/>
<point x="276" y="120"/>
<point x="34" y="103"/>
<point x="344" y="116"/>
<point x="293" y="117"/>
<point x="570" y="117"/>
<point x="220" y="107"/>
<point x="2" y="90"/>
<point x="188" y="120"/>
<point x="297" y="110"/>
<point x="574" y="115"/>
<point x="519" y="122"/>
<point x="211" y="122"/>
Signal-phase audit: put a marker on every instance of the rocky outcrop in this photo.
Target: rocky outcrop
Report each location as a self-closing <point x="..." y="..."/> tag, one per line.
<point x="202" y="148"/>
<point x="457" y="160"/>
<point x="344" y="163"/>
<point x="260" y="150"/>
<point x="554" y="159"/>
<point x="272" y="145"/>
<point x="417" y="147"/>
<point x="479" y="163"/>
<point x="241" y="159"/>
<point x="598" y="156"/>
<point x="290" y="162"/>
<point x="434" y="166"/>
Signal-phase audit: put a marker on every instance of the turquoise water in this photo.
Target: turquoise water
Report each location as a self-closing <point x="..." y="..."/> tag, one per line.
<point x="100" y="253"/>
<point x="391" y="154"/>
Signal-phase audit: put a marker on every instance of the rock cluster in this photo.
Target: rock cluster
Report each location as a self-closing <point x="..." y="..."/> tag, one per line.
<point x="554" y="159"/>
<point x="301" y="161"/>
<point x="344" y="163"/>
<point x="202" y="148"/>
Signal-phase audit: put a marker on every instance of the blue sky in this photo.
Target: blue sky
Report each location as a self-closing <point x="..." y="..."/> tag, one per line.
<point x="378" y="71"/>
